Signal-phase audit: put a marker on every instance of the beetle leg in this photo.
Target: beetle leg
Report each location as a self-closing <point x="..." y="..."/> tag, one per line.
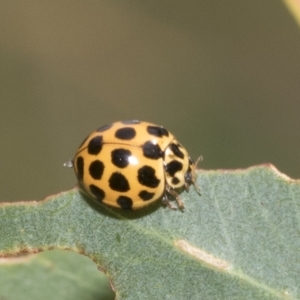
<point x="176" y="196"/>
<point x="186" y="186"/>
<point x="197" y="188"/>
<point x="165" y="200"/>
<point x="69" y="164"/>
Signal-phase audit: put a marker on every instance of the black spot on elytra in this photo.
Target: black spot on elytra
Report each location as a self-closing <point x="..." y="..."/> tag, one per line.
<point x="175" y="180"/>
<point x="146" y="177"/>
<point x="126" y="133"/>
<point x="175" y="149"/>
<point x="144" y="195"/>
<point x="119" y="157"/>
<point x="173" y="167"/>
<point x="95" y="145"/>
<point x="118" y="182"/>
<point x="79" y="167"/>
<point x="97" y="192"/>
<point x="96" y="169"/>
<point x="152" y="151"/>
<point x="125" y="202"/>
<point x="128" y="122"/>
<point x="157" y="131"/>
<point x="104" y="128"/>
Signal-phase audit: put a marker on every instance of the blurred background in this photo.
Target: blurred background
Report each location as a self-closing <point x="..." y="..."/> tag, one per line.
<point x="223" y="76"/>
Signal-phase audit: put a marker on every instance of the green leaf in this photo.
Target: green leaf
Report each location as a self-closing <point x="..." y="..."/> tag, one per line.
<point x="52" y="275"/>
<point x="238" y="240"/>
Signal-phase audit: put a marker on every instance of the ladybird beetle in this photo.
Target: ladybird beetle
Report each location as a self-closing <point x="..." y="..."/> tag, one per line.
<point x="131" y="164"/>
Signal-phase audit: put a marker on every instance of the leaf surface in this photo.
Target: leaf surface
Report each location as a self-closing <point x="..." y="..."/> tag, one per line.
<point x="52" y="275"/>
<point x="238" y="240"/>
